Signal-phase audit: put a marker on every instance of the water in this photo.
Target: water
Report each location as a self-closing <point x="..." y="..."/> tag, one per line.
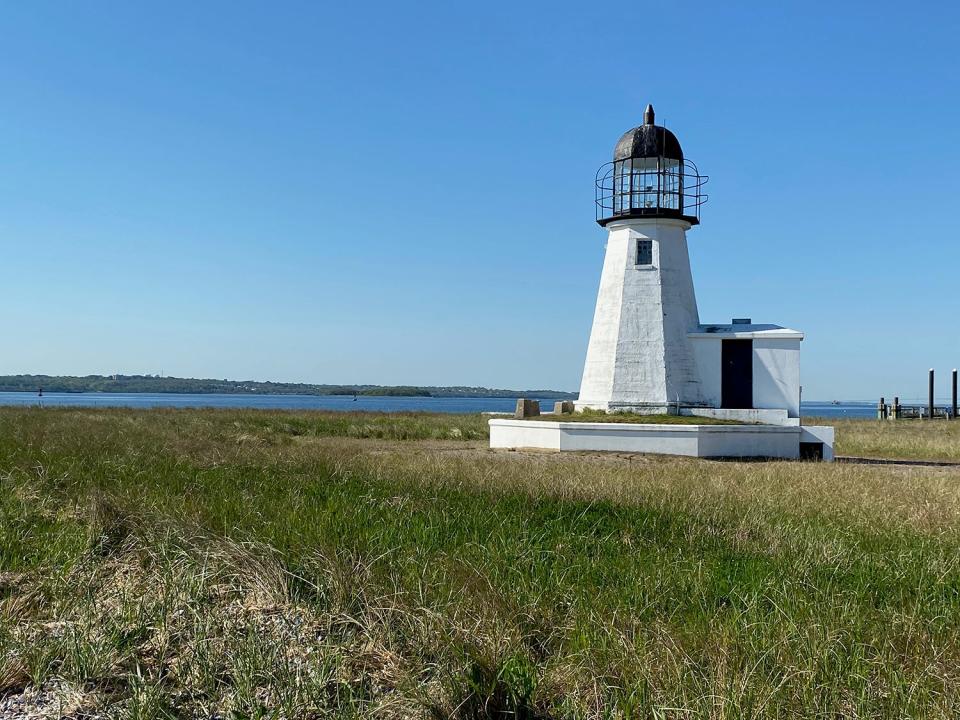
<point x="342" y="402"/>
<point x="282" y="402"/>
<point x="839" y="410"/>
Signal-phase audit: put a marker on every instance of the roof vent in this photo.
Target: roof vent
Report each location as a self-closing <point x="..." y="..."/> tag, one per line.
<point x="742" y="321"/>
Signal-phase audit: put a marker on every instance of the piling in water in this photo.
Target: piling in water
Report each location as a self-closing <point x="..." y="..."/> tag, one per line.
<point x="953" y="397"/>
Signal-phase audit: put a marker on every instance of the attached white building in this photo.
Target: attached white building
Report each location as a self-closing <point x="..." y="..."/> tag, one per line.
<point x="746" y="366"/>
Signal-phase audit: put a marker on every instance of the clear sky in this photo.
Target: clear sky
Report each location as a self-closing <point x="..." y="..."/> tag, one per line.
<point x="402" y="193"/>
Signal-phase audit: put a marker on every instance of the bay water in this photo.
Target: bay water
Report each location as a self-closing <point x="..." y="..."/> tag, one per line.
<point x="341" y="402"/>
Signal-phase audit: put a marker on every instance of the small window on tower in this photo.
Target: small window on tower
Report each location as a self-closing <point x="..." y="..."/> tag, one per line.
<point x="644" y="252"/>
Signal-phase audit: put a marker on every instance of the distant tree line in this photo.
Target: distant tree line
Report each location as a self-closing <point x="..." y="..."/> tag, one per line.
<point x="157" y="384"/>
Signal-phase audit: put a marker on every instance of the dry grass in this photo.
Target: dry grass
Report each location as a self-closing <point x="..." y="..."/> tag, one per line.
<point x="912" y="439"/>
<point x="224" y="564"/>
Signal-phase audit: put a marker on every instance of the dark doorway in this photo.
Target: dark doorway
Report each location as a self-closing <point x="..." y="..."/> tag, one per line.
<point x="811" y="451"/>
<point x="736" y="379"/>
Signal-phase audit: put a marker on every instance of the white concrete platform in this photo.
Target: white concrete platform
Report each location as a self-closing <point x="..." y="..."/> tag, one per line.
<point x="763" y="416"/>
<point x="717" y="441"/>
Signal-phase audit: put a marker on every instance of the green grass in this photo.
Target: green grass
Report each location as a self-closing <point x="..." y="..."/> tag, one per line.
<point x="265" y="564"/>
<point x="274" y="426"/>
<point x="598" y="416"/>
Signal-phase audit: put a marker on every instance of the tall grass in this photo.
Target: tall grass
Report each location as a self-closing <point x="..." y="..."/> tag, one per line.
<point x="912" y="439"/>
<point x="213" y="563"/>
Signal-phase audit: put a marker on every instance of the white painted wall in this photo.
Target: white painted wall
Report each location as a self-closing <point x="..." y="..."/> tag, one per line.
<point x="751" y="441"/>
<point x="506" y="434"/>
<point x="639" y="355"/>
<point x="706" y="353"/>
<point x="596" y="386"/>
<point x="776" y="375"/>
<point x="777" y="416"/>
<point x="654" y="439"/>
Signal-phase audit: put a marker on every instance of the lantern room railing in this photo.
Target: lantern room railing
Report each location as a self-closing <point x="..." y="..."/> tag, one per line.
<point x="670" y="188"/>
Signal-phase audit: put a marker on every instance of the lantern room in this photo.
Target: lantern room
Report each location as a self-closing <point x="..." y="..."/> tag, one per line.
<point x="649" y="177"/>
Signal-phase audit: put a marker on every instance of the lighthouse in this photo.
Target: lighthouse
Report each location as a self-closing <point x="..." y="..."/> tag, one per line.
<point x="650" y="354"/>
<point x="639" y="357"/>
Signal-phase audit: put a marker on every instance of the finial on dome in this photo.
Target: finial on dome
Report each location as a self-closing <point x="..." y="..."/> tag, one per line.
<point x="648" y="115"/>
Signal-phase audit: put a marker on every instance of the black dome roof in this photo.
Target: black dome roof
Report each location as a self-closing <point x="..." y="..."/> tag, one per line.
<point x="648" y="140"/>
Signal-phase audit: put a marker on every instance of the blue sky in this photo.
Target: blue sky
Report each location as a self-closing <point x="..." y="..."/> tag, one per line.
<point x="403" y="193"/>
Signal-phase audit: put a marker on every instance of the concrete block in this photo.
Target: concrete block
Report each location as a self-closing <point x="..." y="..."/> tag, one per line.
<point x="527" y="408"/>
<point x="561" y="407"/>
<point x="820" y="434"/>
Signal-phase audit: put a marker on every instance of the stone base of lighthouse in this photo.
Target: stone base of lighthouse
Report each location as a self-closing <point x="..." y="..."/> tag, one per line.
<point x="636" y="408"/>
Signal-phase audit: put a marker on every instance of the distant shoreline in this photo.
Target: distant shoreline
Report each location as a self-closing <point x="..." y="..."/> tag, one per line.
<point x="383" y="403"/>
<point x="155" y="385"/>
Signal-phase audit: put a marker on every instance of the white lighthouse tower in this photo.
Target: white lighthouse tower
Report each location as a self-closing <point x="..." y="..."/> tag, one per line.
<point x="649" y="353"/>
<point x="640" y="357"/>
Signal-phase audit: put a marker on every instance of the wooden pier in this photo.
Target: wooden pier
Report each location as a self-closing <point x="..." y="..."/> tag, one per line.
<point x="930" y="411"/>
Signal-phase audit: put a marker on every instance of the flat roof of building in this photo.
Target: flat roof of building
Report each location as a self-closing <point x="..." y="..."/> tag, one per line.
<point x="744" y="331"/>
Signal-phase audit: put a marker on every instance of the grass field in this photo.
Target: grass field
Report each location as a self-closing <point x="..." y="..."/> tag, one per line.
<point x="268" y="564"/>
<point x="911" y="439"/>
